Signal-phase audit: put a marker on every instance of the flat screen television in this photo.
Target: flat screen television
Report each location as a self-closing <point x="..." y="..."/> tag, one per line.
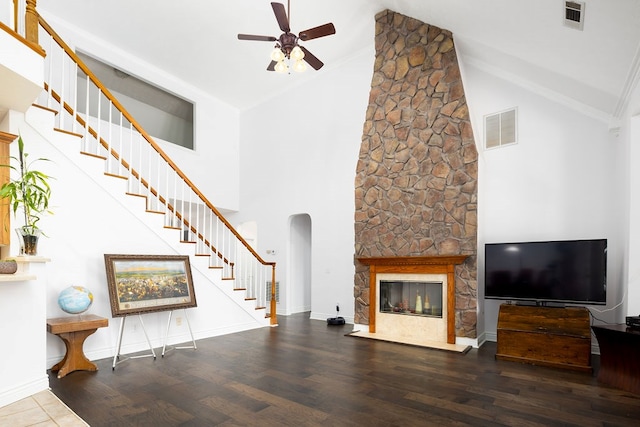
<point x="566" y="271"/>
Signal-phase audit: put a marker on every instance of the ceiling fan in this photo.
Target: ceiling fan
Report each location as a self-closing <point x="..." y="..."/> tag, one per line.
<point x="287" y="46"/>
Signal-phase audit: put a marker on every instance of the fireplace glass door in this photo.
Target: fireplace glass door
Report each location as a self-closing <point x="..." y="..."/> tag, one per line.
<point x="413" y="298"/>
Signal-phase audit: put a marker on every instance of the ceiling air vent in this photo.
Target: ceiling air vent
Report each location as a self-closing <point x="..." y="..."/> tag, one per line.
<point x="574" y="14"/>
<point x="500" y="128"/>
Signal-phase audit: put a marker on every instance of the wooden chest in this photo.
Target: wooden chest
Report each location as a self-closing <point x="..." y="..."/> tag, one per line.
<point x="547" y="336"/>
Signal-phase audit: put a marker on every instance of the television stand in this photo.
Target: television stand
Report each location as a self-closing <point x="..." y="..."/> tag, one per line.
<point x="546" y="336"/>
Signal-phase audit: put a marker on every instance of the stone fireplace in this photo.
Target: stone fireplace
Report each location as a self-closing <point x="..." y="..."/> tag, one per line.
<point x="416" y="178"/>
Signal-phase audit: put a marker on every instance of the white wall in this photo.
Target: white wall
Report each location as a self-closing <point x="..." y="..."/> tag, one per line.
<point x="562" y="180"/>
<point x="299" y="257"/>
<point x="23" y="320"/>
<point x="6" y="13"/>
<point x="298" y="155"/>
<point x="632" y="137"/>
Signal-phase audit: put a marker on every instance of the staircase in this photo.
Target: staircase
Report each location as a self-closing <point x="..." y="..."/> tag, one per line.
<point x="77" y="105"/>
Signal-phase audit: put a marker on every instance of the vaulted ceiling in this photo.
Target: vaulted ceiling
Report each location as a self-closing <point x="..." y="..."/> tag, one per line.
<point x="527" y="41"/>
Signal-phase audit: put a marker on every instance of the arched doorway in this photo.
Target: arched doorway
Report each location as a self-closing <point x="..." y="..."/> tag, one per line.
<point x="299" y="261"/>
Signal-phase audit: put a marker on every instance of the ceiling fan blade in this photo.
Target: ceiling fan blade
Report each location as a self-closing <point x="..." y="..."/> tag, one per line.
<point x="281" y="16"/>
<point x="316" y="32"/>
<point x="272" y="66"/>
<point x="311" y="60"/>
<point x="256" y="38"/>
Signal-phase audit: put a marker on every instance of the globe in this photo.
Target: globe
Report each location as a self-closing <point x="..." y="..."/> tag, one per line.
<point x="75" y="299"/>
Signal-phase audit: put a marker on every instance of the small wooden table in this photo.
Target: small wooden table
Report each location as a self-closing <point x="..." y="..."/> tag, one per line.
<point x="619" y="356"/>
<point x="73" y="331"/>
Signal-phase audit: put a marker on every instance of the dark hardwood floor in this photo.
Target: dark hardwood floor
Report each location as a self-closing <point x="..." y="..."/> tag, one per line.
<point x="306" y="373"/>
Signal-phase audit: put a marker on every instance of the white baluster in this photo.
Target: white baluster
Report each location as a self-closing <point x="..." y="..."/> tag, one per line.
<point x="120" y="147"/>
<point x="50" y="62"/>
<point x="86" y="117"/>
<point x="109" y="162"/>
<point x="62" y="112"/>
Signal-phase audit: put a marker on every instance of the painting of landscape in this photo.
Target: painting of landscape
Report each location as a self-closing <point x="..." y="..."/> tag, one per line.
<point x="144" y="283"/>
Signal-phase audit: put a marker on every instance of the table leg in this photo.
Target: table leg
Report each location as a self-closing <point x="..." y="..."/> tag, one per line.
<point x="74" y="359"/>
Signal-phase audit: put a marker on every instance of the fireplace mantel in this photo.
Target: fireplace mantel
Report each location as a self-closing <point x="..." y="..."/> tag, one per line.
<point x="414" y="260"/>
<point x="436" y="264"/>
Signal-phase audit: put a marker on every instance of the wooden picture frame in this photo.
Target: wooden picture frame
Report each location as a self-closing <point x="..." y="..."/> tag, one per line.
<point x="149" y="283"/>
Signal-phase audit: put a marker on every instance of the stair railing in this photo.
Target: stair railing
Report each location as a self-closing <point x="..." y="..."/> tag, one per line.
<point x="87" y="108"/>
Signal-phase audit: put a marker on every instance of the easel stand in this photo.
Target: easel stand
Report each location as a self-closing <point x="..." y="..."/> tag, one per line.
<point x="166" y="336"/>
<point x="116" y="358"/>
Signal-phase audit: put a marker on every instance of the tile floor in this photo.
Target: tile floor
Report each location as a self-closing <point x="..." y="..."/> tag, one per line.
<point x="43" y="409"/>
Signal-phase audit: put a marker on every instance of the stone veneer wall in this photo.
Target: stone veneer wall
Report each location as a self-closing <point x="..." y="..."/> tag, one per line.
<point x="416" y="178"/>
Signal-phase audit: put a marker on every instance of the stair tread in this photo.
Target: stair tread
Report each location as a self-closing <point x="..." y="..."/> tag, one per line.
<point x="97" y="156"/>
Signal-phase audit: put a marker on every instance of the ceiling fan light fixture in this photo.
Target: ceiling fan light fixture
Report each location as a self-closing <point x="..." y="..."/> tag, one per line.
<point x="277" y="54"/>
<point x="296" y="53"/>
<point x="281" y="67"/>
<point x="286" y="46"/>
<point x="299" y="66"/>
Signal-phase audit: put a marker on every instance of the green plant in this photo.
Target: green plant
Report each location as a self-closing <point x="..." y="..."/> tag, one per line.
<point x="30" y="192"/>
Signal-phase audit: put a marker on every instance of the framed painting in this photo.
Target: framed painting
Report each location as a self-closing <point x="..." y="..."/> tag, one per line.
<point x="148" y="283"/>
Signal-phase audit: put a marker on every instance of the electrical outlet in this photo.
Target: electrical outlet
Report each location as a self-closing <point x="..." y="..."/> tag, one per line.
<point x="178" y="321"/>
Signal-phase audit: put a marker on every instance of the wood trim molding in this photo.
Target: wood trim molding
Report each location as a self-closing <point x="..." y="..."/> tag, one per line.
<point x="5" y="209"/>
<point x="7" y="137"/>
<point x="436" y="264"/>
<point x="415" y="260"/>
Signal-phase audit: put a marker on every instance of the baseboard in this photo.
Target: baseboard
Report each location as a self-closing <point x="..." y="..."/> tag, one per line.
<point x="491" y="336"/>
<point x="464" y="341"/>
<point x="27" y="389"/>
<point x="325" y="316"/>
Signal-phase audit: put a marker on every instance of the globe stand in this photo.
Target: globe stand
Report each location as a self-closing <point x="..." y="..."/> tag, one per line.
<point x="116" y="357"/>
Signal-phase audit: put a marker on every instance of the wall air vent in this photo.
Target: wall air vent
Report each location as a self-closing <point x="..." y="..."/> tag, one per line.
<point x="500" y="128"/>
<point x="277" y="290"/>
<point x="574" y="14"/>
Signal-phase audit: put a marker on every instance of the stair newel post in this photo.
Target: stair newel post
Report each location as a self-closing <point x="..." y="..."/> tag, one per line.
<point x="31" y="22"/>
<point x="272" y="308"/>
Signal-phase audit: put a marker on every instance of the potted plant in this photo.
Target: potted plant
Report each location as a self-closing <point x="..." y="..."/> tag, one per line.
<point x="30" y="192"/>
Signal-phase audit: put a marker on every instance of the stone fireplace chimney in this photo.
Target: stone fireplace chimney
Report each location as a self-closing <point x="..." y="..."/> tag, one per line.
<point x="416" y="178"/>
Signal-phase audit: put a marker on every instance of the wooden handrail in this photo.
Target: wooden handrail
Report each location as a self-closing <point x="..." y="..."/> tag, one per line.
<point x="147" y="137"/>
